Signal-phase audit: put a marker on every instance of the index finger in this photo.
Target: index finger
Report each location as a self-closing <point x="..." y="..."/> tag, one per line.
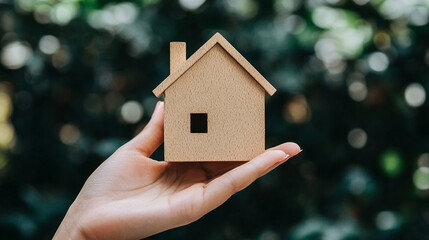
<point x="224" y="186"/>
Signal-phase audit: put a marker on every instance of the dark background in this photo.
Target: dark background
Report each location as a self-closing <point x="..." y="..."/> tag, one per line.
<point x="76" y="80"/>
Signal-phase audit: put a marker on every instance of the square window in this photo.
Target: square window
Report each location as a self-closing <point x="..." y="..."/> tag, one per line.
<point x="198" y="122"/>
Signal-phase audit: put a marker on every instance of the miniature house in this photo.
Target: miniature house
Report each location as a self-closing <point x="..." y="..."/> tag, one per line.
<point x="214" y="104"/>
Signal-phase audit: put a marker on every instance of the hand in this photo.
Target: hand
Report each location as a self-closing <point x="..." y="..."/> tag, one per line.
<point x="131" y="196"/>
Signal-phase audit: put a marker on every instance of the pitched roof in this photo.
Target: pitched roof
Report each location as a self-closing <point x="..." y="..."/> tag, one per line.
<point x="216" y="39"/>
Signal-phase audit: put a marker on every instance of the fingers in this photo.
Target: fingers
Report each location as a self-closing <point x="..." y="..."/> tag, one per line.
<point x="290" y="148"/>
<point x="221" y="188"/>
<point x="149" y="139"/>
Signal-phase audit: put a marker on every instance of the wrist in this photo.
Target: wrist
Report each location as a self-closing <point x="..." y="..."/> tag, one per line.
<point x="69" y="227"/>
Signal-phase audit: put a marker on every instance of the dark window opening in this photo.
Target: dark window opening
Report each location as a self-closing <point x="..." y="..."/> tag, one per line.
<point x="198" y="122"/>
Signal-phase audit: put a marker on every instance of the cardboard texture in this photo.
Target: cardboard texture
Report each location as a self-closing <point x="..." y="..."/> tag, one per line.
<point x="177" y="55"/>
<point x="219" y="82"/>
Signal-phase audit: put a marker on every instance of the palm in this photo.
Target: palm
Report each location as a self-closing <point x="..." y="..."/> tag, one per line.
<point x="131" y="196"/>
<point x="176" y="191"/>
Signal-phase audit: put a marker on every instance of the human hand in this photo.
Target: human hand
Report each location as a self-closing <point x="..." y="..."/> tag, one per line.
<point x="130" y="196"/>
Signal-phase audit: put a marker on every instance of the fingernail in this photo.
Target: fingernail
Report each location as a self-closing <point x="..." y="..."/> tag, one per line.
<point x="158" y="104"/>
<point x="283" y="159"/>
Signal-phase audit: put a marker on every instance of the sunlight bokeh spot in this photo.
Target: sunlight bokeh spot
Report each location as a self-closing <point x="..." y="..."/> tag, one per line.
<point x="357" y="138"/>
<point x="415" y="95"/>
<point x="358" y="90"/>
<point x="378" y="61"/>
<point x="15" y="55"/>
<point x="49" y="44"/>
<point x="131" y="112"/>
<point x="191" y="5"/>
<point x="421" y="178"/>
<point x="69" y="134"/>
<point x="7" y="135"/>
<point x="387" y="220"/>
<point x="391" y="163"/>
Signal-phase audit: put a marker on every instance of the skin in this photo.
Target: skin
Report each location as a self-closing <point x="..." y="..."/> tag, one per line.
<point x="131" y="196"/>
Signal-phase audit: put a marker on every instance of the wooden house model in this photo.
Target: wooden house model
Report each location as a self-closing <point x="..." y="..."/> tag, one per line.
<point x="214" y="104"/>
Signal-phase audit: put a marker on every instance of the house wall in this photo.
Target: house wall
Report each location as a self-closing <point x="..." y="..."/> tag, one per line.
<point x="234" y="101"/>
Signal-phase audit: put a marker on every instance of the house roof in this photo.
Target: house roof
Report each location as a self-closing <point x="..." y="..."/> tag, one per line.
<point x="216" y="39"/>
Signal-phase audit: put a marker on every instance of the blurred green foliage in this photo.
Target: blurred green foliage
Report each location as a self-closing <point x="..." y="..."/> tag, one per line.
<point x="352" y="79"/>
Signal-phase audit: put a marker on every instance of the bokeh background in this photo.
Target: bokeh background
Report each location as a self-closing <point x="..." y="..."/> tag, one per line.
<point x="352" y="78"/>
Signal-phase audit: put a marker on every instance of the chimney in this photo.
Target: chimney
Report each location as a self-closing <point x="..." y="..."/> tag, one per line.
<point x="177" y="55"/>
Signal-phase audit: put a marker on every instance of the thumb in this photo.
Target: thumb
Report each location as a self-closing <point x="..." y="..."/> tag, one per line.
<point x="149" y="139"/>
